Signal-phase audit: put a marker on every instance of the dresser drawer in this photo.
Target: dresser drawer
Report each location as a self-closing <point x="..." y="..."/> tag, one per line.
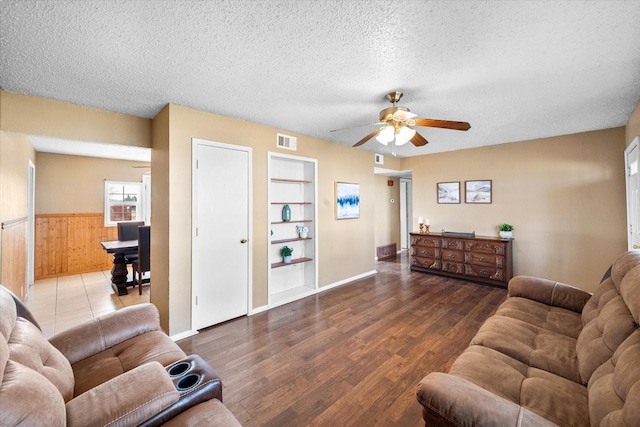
<point x="488" y="260"/>
<point x="452" y="267"/>
<point x="449" y="255"/>
<point x="452" y="244"/>
<point x="430" y="263"/>
<point x="425" y="252"/>
<point x="497" y="248"/>
<point x="425" y="240"/>
<point x="484" y="272"/>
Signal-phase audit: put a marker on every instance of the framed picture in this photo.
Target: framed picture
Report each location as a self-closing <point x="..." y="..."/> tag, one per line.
<point x="347" y="200"/>
<point x="478" y="191"/>
<point x="449" y="192"/>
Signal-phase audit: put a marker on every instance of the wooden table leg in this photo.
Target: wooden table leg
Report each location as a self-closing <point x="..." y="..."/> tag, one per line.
<point x="119" y="274"/>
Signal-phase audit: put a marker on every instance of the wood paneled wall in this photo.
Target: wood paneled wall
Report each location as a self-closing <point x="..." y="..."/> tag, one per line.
<point x="14" y="256"/>
<point x="70" y="244"/>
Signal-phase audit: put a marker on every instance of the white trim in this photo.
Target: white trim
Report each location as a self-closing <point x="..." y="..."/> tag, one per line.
<point x="183" y="335"/>
<point x="314" y="292"/>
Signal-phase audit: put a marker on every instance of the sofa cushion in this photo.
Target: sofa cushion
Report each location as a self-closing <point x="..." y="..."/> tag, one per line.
<point x="101" y="367"/>
<point x="553" y="397"/>
<point x="608" y="321"/>
<point x="614" y="389"/>
<point x="532" y="345"/>
<point x="555" y="319"/>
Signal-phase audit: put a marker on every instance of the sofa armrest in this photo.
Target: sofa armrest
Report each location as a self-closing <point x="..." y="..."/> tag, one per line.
<point x="128" y="399"/>
<point x="448" y="400"/>
<point x="103" y="332"/>
<point x="549" y="292"/>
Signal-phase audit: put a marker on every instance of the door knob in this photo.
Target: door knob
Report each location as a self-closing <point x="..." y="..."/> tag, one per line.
<point x="636" y="247"/>
<point x="243" y="241"/>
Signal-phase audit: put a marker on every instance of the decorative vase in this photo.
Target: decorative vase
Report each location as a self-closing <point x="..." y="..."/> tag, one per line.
<point x="286" y="213"/>
<point x="506" y="234"/>
<point x="302" y="231"/>
<point x="286" y="259"/>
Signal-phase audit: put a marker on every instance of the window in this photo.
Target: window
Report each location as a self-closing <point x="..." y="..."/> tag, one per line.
<point x="122" y="202"/>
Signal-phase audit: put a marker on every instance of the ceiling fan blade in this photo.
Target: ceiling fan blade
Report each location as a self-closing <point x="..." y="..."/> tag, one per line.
<point x="445" y="124"/>
<point x="359" y="126"/>
<point x="418" y="140"/>
<point x="368" y="137"/>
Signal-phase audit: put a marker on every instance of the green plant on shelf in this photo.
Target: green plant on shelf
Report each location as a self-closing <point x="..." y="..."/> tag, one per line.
<point x="286" y="251"/>
<point x="505" y="227"/>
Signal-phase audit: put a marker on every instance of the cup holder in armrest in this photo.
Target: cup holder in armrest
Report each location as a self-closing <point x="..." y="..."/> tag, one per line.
<point x="188" y="382"/>
<point x="195" y="380"/>
<point x="179" y="368"/>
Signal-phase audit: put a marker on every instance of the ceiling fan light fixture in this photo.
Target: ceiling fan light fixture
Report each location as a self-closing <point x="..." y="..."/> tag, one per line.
<point x="386" y="135"/>
<point x="404" y="135"/>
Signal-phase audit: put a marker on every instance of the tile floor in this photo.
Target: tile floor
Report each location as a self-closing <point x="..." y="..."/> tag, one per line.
<point x="62" y="302"/>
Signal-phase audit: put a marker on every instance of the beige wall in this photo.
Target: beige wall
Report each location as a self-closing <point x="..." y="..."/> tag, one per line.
<point x="387" y="214"/>
<point x="15" y="153"/>
<point x="633" y="125"/>
<point x="565" y="196"/>
<point x="75" y="184"/>
<point x="33" y="115"/>
<point x="345" y="247"/>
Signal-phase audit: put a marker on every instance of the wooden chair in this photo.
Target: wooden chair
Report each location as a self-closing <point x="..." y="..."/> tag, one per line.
<point x="143" y="263"/>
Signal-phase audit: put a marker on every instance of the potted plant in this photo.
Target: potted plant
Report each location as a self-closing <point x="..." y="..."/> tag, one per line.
<point x="506" y="230"/>
<point x="286" y="252"/>
<point x="302" y="231"/>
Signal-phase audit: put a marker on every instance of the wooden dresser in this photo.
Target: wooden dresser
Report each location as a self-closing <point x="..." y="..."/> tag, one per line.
<point x="481" y="259"/>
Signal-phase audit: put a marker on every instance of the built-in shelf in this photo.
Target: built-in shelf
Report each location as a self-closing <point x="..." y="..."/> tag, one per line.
<point x="293" y="261"/>
<point x="292" y="221"/>
<point x="291" y="203"/>
<point x="293" y="239"/>
<point x="292" y="178"/>
<point x="293" y="181"/>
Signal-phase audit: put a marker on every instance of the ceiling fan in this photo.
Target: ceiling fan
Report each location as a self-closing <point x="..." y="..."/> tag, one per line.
<point x="398" y="123"/>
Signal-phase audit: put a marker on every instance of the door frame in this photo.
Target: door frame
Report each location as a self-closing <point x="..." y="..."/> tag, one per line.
<point x="195" y="142"/>
<point x="406" y="207"/>
<point x="31" y="221"/>
<point x="631" y="215"/>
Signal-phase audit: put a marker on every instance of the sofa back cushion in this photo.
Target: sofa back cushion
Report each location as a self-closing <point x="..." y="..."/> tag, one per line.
<point x="606" y="317"/>
<point x="35" y="378"/>
<point x="614" y="389"/>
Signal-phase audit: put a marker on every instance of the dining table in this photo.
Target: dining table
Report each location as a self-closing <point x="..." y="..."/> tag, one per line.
<point x="119" y="272"/>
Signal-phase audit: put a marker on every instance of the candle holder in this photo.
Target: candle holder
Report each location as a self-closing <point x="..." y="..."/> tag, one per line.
<point x="424" y="228"/>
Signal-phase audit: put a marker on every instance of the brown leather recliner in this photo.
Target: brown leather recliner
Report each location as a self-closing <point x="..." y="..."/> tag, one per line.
<point x="119" y="370"/>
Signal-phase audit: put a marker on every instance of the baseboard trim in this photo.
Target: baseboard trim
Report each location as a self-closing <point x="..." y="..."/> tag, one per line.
<point x="314" y="292"/>
<point x="183" y="335"/>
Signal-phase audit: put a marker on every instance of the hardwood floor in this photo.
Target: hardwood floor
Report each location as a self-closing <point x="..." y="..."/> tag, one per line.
<point x="352" y="355"/>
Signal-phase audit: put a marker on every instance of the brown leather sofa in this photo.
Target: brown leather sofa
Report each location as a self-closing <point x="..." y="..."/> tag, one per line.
<point x="118" y="370"/>
<point x="552" y="354"/>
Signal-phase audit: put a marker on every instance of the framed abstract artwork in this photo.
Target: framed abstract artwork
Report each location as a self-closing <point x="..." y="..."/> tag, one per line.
<point x="449" y="192"/>
<point x="478" y="191"/>
<point x="347" y="200"/>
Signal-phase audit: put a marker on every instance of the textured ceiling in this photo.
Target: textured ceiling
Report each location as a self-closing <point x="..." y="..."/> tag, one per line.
<point x="515" y="70"/>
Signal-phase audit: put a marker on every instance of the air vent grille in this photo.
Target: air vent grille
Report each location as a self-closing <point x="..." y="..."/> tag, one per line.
<point x="287" y="142"/>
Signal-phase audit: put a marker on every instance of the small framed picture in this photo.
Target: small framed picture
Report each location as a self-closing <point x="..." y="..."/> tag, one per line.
<point x="449" y="192"/>
<point x="478" y="191"/>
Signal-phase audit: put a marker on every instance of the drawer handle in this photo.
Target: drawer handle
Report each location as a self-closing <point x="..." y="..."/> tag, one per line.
<point x="451" y="256"/>
<point x="484" y="260"/>
<point x="423" y="252"/>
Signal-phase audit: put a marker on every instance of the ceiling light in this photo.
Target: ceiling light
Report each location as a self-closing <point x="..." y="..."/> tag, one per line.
<point x="386" y="135"/>
<point x="404" y="134"/>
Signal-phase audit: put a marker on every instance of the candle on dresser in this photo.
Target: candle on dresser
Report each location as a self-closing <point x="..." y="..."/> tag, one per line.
<point x="420" y="220"/>
<point x="427" y="222"/>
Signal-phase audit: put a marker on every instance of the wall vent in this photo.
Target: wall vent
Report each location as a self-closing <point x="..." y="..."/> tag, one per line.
<point x="288" y="142"/>
<point x="379" y="159"/>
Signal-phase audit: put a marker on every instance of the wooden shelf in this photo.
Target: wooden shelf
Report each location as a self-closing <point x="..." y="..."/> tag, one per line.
<point x="292" y="221"/>
<point x="290" y="203"/>
<point x="293" y="239"/>
<point x="293" y="181"/>
<point x="293" y="261"/>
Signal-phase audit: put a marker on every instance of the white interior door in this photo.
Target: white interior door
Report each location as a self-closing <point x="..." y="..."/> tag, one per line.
<point x="633" y="195"/>
<point x="221" y="248"/>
